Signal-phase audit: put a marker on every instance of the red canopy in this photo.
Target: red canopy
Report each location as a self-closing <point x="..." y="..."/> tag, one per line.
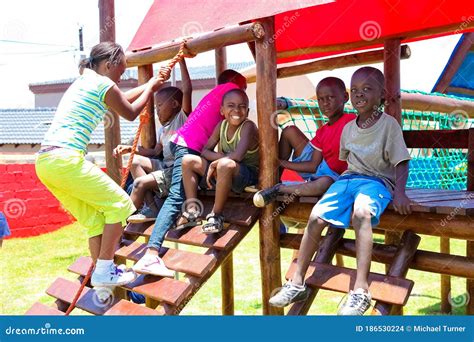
<point x="307" y="24"/>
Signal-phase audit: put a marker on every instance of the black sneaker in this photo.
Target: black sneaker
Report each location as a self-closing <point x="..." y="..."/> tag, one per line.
<point x="266" y="196"/>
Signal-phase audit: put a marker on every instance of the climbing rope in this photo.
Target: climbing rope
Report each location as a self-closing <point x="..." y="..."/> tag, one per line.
<point x="145" y="115"/>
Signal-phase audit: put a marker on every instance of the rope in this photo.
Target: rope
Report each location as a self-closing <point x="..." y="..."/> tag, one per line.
<point x="78" y="294"/>
<point x="145" y="115"/>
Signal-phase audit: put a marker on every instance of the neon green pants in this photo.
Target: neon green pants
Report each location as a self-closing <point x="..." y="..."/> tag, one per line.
<point x="91" y="196"/>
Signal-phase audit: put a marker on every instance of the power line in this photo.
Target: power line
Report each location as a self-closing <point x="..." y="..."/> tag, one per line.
<point x="32" y="43"/>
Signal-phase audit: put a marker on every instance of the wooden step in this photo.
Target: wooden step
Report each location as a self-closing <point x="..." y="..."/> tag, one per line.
<point x="387" y="289"/>
<point x="194" y="237"/>
<point x="126" y="308"/>
<point x="40" y="309"/>
<point x="166" y="290"/>
<point x="177" y="260"/>
<point x="65" y="290"/>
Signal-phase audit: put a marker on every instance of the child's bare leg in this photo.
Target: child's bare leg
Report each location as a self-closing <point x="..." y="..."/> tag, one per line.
<point x="292" y="139"/>
<point x="94" y="247"/>
<point x="309" y="245"/>
<point x="361" y="220"/>
<point x="226" y="170"/>
<point x="141" y="186"/>
<point x="141" y="166"/>
<point x="193" y="168"/>
<point x="314" y="188"/>
<point x="110" y="240"/>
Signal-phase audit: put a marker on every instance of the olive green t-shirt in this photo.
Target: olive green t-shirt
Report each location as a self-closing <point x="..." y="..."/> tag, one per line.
<point x="374" y="151"/>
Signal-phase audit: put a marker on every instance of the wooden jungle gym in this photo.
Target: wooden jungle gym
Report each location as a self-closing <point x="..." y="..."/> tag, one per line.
<point x="400" y="251"/>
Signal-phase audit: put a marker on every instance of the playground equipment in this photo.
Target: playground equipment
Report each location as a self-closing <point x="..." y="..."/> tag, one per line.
<point x="287" y="36"/>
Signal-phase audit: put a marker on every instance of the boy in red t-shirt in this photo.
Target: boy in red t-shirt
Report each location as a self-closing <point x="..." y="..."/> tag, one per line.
<point x="316" y="161"/>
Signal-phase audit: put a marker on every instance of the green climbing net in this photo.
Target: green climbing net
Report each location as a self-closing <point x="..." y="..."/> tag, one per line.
<point x="429" y="167"/>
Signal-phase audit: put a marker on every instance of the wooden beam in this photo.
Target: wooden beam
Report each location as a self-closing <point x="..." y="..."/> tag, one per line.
<point x="148" y="133"/>
<point x="111" y="120"/>
<point x="462" y="91"/>
<point x="427" y="261"/>
<point x="417" y="101"/>
<point x="454" y="63"/>
<point x="355" y="59"/>
<point x="268" y="142"/>
<point x="205" y="42"/>
<point x="459" y="227"/>
<point x="470" y="282"/>
<point x="425" y="33"/>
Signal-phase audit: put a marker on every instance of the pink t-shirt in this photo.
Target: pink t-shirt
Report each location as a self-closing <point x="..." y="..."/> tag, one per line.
<point x="327" y="140"/>
<point x="202" y="121"/>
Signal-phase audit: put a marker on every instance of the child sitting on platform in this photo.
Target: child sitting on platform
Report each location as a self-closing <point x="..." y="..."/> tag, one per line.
<point x="234" y="166"/>
<point x="316" y="161"/>
<point x="190" y="139"/>
<point x="153" y="175"/>
<point x="377" y="158"/>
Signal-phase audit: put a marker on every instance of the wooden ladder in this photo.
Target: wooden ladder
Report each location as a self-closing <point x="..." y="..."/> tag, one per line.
<point x="164" y="296"/>
<point x="387" y="290"/>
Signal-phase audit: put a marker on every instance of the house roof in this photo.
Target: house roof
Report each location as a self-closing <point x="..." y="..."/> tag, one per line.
<point x="205" y="72"/>
<point x="311" y="28"/>
<point x="28" y="126"/>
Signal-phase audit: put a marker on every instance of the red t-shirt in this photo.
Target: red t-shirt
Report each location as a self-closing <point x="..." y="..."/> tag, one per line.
<point x="327" y="141"/>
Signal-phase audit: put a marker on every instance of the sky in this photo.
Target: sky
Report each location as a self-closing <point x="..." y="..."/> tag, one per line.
<point x="39" y="42"/>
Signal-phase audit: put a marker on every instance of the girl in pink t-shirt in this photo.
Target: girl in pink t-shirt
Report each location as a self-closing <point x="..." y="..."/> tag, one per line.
<point x="190" y="139"/>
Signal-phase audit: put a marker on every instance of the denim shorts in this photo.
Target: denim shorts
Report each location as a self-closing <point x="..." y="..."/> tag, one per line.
<point x="353" y="192"/>
<point x="322" y="170"/>
<point x="247" y="176"/>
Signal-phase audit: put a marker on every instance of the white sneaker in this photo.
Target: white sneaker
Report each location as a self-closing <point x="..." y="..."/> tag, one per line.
<point x="154" y="265"/>
<point x="357" y="303"/>
<point x="116" y="276"/>
<point x="289" y="293"/>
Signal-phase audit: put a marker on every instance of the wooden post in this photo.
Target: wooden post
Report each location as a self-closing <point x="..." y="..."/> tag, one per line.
<point x="112" y="125"/>
<point x="268" y="142"/>
<point x="393" y="107"/>
<point x="227" y="267"/>
<point x="445" y="279"/>
<point x="399" y="267"/>
<point x="148" y="133"/>
<point x="470" y="244"/>
<point x="227" y="285"/>
<point x="221" y="61"/>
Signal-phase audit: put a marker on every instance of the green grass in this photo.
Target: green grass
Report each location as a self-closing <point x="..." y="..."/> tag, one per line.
<point x="28" y="266"/>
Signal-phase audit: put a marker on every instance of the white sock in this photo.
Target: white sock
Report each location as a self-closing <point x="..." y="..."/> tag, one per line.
<point x="103" y="266"/>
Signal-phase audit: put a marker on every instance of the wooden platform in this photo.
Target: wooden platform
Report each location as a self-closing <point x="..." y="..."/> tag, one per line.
<point x="164" y="296"/>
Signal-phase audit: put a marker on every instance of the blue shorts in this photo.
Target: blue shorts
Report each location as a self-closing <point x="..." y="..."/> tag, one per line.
<point x="353" y="191"/>
<point x="322" y="170"/>
<point x="247" y="176"/>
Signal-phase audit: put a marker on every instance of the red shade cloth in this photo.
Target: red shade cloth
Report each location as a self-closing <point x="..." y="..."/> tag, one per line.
<point x="303" y="24"/>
